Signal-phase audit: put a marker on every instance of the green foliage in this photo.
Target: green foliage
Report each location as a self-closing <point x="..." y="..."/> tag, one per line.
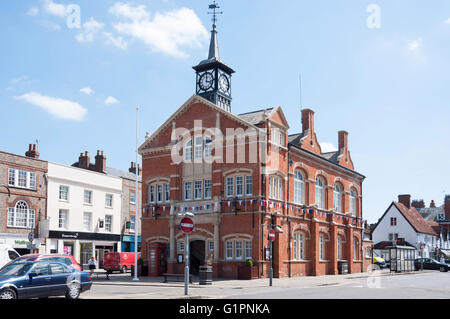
<point x="249" y="263"/>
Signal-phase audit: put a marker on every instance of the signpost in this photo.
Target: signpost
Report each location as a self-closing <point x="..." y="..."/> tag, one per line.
<point x="272" y="239"/>
<point x="187" y="227"/>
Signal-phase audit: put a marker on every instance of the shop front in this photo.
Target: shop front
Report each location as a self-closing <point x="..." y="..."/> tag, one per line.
<point x="83" y="246"/>
<point x="21" y="243"/>
<point x="128" y="243"/>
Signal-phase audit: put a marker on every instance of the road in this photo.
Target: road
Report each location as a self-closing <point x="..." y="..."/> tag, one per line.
<point x="426" y="285"/>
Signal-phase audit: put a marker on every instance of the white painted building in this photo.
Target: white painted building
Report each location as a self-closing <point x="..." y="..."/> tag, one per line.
<point x="84" y="209"/>
<point x="402" y="223"/>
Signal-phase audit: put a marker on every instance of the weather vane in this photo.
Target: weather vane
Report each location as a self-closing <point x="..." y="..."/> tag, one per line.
<point x="214" y="7"/>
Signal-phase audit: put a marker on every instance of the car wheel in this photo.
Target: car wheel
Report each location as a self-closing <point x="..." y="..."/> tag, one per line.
<point x="8" y="293"/>
<point x="124" y="269"/>
<point x="442" y="269"/>
<point x="73" y="291"/>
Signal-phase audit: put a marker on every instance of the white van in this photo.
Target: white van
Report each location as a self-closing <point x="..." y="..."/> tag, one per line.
<point x="7" y="253"/>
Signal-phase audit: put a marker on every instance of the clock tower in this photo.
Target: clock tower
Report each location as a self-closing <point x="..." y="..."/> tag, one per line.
<point x="213" y="77"/>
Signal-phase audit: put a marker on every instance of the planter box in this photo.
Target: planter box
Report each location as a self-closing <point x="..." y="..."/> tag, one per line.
<point x="247" y="273"/>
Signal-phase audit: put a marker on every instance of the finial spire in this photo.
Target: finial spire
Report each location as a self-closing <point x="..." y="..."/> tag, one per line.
<point x="214" y="45"/>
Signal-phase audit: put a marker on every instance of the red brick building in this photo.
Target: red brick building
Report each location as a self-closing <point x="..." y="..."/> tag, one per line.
<point x="242" y="175"/>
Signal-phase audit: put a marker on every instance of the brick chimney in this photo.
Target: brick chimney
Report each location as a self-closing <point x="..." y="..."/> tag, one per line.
<point x="343" y="140"/>
<point x="308" y="121"/>
<point x="100" y="162"/>
<point x="32" y="151"/>
<point x="418" y="204"/>
<point x="447" y="207"/>
<point x="84" y="160"/>
<point x="405" y="200"/>
<point x="132" y="168"/>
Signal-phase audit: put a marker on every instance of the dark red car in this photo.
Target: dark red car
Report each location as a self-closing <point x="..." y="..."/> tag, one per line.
<point x="67" y="259"/>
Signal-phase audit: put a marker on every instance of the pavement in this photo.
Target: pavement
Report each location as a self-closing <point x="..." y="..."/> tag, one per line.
<point x="228" y="287"/>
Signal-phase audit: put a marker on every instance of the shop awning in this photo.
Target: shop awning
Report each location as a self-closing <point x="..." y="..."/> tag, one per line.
<point x="446" y="252"/>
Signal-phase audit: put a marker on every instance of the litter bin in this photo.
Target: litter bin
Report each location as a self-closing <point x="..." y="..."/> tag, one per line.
<point x="205" y="275"/>
<point x="343" y="267"/>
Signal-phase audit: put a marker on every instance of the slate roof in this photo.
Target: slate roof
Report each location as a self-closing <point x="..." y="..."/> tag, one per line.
<point x="119" y="173"/>
<point x="416" y="220"/>
<point x="255" y="117"/>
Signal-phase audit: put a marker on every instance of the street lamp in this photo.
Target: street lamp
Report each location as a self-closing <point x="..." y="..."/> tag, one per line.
<point x="7" y="188"/>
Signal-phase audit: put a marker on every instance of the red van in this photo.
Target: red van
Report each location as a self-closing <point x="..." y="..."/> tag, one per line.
<point x="118" y="261"/>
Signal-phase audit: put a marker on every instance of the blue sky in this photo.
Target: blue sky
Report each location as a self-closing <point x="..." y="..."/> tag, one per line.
<point x="387" y="86"/>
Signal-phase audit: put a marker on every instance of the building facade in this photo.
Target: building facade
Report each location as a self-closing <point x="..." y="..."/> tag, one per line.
<point x="242" y="175"/>
<point x="23" y="189"/>
<point x="84" y="212"/>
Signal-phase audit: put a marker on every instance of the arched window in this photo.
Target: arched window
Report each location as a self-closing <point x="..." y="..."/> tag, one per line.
<point x="320" y="193"/>
<point x="299" y="246"/>
<point x="188" y="151"/>
<point x="21" y="216"/>
<point x="299" y="187"/>
<point x="355" y="249"/>
<point x="353" y="202"/>
<point x="337" y="198"/>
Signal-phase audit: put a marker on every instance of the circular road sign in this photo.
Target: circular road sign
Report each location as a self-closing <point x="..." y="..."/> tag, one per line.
<point x="271" y="235"/>
<point x="187" y="225"/>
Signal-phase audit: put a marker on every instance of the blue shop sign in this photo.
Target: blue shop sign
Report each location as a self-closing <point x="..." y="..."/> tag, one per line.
<point x="128" y="238"/>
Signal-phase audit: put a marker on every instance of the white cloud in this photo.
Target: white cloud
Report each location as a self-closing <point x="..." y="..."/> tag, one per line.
<point x="447" y="21"/>
<point x="116" y="41"/>
<point x="328" y="147"/>
<point x="111" y="100"/>
<point x="90" y="28"/>
<point x="167" y="33"/>
<point x="23" y="78"/>
<point x="55" y="9"/>
<point x="60" y="108"/>
<point x="414" y="45"/>
<point x="33" y="11"/>
<point x="87" y="90"/>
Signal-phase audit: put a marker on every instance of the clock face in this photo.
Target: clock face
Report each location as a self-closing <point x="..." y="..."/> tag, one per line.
<point x="224" y="83"/>
<point x="206" y="81"/>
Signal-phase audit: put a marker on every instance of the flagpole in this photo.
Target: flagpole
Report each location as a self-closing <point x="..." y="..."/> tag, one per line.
<point x="137" y="206"/>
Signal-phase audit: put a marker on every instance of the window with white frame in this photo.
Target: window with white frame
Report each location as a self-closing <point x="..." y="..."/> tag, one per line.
<point x="198" y="151"/>
<point x="132" y="223"/>
<point x="109" y="200"/>
<point x="159" y="193"/>
<point x="63" y="219"/>
<point x="239" y="186"/>
<point x="322" y="247"/>
<point x="276" y="188"/>
<point x="320" y="193"/>
<point x="21" y="179"/>
<point x="368" y="252"/>
<point x="337" y="198"/>
<point x="151" y="194"/>
<point x="132" y="198"/>
<point x="188" y="151"/>
<point x="299" y="246"/>
<point x="238" y="250"/>
<point x="208" y="189"/>
<point x="167" y="193"/>
<point x="248" y="185"/>
<point x="188" y="191"/>
<point x="229" y="250"/>
<point x="229" y="187"/>
<point x="198" y="190"/>
<point x="299" y="187"/>
<point x="108" y="223"/>
<point x="87" y="197"/>
<point x="248" y="249"/>
<point x="353" y="202"/>
<point x="278" y="136"/>
<point x="64" y="193"/>
<point x="181" y="246"/>
<point x="211" y="246"/>
<point x="21" y="216"/>
<point x="339" y="247"/>
<point x="87" y="221"/>
<point x="208" y="147"/>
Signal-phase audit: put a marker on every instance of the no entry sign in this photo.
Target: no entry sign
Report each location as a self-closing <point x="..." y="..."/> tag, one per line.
<point x="271" y="235"/>
<point x="187" y="225"/>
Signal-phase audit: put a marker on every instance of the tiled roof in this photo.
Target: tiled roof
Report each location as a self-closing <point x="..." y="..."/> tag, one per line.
<point x="417" y="221"/>
<point x="255" y="117"/>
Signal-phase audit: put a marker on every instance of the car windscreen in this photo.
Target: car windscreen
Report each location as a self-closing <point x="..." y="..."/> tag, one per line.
<point x="15" y="269"/>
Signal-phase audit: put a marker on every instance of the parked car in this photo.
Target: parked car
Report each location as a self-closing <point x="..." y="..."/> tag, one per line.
<point x="431" y="264"/>
<point x="118" y="261"/>
<point x="379" y="261"/>
<point x="67" y="259"/>
<point x="7" y="254"/>
<point x="42" y="279"/>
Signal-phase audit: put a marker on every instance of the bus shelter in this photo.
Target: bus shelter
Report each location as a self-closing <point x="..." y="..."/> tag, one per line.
<point x="402" y="258"/>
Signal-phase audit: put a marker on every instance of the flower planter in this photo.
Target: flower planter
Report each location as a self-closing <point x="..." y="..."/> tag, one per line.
<point x="247" y="273"/>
